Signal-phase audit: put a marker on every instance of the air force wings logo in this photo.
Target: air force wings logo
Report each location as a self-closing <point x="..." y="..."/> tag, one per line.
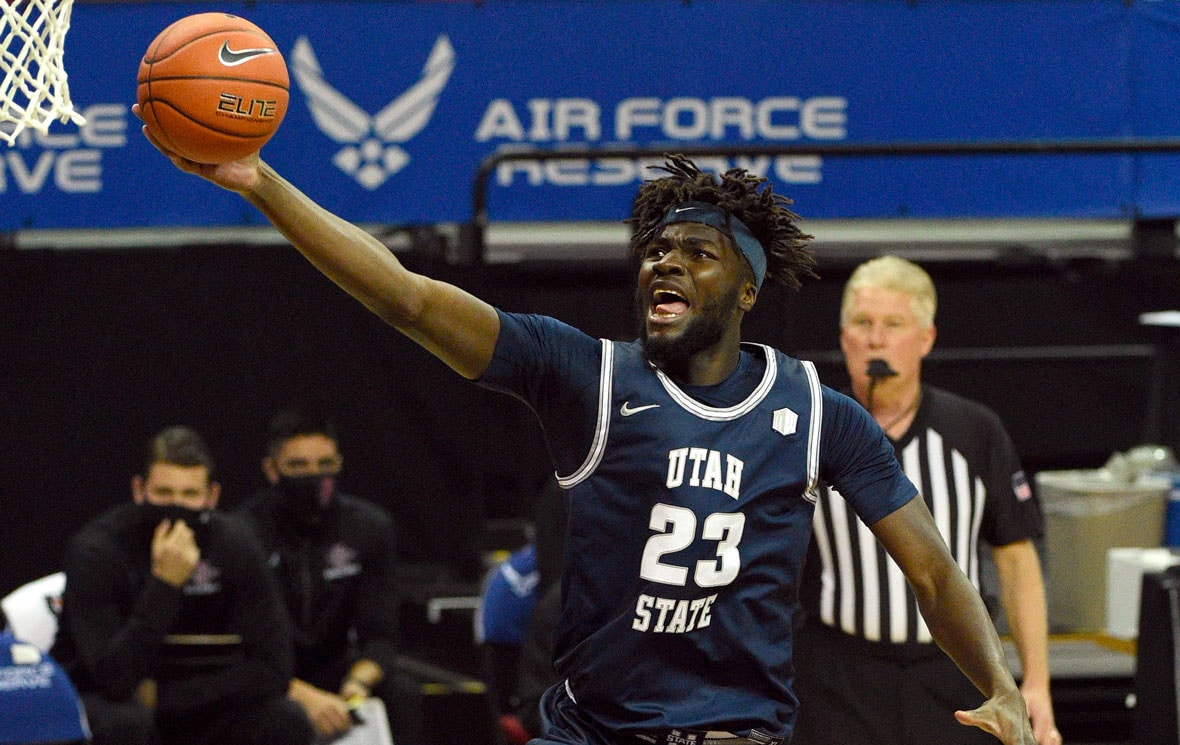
<point x="371" y="154"/>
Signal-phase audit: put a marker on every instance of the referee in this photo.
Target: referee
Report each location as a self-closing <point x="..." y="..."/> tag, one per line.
<point x="868" y="669"/>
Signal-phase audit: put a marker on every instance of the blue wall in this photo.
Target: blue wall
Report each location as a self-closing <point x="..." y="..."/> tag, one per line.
<point x="393" y="106"/>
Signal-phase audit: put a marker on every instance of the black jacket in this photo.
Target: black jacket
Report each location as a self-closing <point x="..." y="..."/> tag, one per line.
<point x="117" y="617"/>
<point x="338" y="579"/>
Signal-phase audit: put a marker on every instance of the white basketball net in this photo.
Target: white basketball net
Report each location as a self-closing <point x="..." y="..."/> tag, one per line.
<point x="34" y="90"/>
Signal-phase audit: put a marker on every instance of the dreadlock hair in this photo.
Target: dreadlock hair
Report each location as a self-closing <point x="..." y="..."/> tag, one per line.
<point x="737" y="192"/>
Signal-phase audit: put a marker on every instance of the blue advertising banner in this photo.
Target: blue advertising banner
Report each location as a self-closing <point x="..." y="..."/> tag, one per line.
<point x="466" y="80"/>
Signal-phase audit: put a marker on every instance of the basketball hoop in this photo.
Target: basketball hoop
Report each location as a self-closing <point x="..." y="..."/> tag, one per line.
<point x="34" y="92"/>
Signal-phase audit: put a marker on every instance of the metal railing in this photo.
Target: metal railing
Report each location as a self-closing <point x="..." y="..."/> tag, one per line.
<point x="473" y="238"/>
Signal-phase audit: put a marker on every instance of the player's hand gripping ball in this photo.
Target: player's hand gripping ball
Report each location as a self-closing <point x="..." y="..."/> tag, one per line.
<point x="213" y="87"/>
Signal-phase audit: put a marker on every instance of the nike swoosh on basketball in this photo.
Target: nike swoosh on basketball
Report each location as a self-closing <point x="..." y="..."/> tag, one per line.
<point x="231" y="58"/>
<point x="627" y="409"/>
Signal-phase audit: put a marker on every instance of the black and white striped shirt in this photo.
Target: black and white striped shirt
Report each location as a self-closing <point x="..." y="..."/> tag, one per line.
<point x="961" y="459"/>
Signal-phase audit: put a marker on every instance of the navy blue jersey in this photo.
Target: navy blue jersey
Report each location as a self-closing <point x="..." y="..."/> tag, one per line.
<point x="690" y="515"/>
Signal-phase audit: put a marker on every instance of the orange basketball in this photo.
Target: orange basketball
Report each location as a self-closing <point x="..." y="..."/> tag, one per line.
<point x="213" y="87"/>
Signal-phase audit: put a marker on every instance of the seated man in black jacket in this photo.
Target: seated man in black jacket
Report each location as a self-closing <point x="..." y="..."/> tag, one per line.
<point x="172" y="628"/>
<point x="334" y="558"/>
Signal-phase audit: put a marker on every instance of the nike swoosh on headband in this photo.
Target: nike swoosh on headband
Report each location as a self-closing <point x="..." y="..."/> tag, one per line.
<point x="715" y="217"/>
<point x="232" y="58"/>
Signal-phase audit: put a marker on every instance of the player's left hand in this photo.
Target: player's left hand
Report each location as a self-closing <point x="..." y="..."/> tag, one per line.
<point x="1003" y="716"/>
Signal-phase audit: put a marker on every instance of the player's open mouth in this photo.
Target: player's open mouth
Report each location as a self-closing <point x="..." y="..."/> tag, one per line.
<point x="666" y="305"/>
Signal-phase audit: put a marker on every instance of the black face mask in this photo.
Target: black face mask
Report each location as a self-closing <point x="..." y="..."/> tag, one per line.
<point x="305" y="499"/>
<point x="154" y="514"/>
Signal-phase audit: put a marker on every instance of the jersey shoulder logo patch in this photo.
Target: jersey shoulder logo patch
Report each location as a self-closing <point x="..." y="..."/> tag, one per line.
<point x="785" y="422"/>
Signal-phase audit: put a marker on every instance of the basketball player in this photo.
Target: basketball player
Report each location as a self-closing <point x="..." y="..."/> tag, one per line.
<point x="862" y="622"/>
<point x="690" y="461"/>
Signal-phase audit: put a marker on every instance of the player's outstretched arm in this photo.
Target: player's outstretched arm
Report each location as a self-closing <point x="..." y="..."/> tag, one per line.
<point x="957" y="618"/>
<point x="452" y="324"/>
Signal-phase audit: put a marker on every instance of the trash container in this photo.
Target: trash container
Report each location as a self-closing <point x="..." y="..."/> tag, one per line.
<point x="1087" y="513"/>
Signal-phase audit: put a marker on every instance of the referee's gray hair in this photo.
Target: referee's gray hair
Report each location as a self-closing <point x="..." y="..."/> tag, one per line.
<point x="894" y="273"/>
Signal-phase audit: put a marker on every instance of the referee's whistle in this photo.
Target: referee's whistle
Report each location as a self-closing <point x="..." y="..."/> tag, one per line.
<point x="879" y="368"/>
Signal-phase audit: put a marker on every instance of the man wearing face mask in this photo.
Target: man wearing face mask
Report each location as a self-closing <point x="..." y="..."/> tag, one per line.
<point x="172" y="628"/>
<point x="334" y="557"/>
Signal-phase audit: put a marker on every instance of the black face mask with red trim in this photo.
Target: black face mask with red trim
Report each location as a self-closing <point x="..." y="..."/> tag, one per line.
<point x="305" y="499"/>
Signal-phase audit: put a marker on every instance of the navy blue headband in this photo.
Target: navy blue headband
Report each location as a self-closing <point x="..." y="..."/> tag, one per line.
<point x="715" y="217"/>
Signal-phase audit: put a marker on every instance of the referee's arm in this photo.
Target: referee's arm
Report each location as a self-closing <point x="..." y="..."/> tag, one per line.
<point x="957" y="618"/>
<point x="1022" y="593"/>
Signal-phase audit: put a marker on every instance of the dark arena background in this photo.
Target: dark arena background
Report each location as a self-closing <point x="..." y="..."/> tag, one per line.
<point x="105" y="347"/>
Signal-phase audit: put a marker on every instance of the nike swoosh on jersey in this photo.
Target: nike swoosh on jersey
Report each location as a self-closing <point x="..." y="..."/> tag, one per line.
<point x="231" y="58"/>
<point x="628" y="410"/>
